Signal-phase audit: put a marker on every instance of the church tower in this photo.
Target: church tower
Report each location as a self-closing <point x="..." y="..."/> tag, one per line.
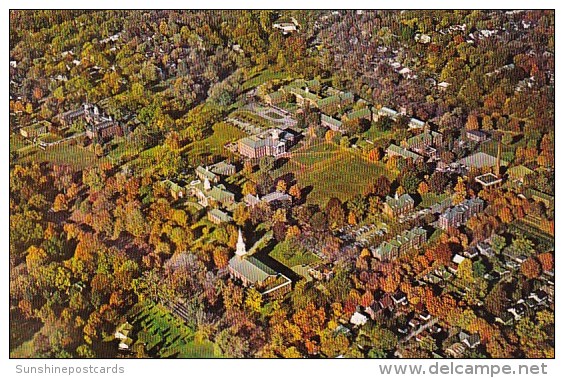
<point x="207" y="185"/>
<point x="241" y="249"/>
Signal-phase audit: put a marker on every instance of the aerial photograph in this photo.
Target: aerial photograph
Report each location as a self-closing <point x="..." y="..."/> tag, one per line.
<point x="281" y="184"/>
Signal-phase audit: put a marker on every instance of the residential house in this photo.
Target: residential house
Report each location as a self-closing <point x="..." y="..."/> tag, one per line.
<point x="458" y="215"/>
<point x="402" y="243"/>
<point x="364" y="113"/>
<point x="470" y="340"/>
<point x="385" y="112"/>
<point x="217" y="216"/>
<point x="476" y="135"/>
<point x="330" y="123"/>
<point x="395" y="150"/>
<point x="424" y="140"/>
<point x="223" y="169"/>
<point x="35" y="130"/>
<point x="176" y="191"/>
<point x="415" y="123"/>
<point x="123" y="333"/>
<point x="277" y="197"/>
<point x="207" y="194"/>
<point x="358" y="319"/>
<point x="205" y="173"/>
<point x="398" y="206"/>
<point x="104" y="131"/>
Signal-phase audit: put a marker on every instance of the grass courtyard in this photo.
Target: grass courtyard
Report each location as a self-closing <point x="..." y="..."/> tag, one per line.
<point x="332" y="171"/>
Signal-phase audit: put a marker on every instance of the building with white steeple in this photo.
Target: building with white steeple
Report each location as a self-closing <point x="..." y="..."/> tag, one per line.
<point x="241" y="249"/>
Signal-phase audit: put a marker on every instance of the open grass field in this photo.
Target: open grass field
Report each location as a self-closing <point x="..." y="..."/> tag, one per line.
<point x="165" y="335"/>
<point x="430" y="199"/>
<point x="263" y="77"/>
<point x="289" y="255"/>
<point x="223" y="133"/>
<point x="73" y="155"/>
<point x="337" y="172"/>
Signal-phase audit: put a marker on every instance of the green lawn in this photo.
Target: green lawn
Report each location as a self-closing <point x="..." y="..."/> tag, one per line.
<point x="76" y="156"/>
<point x="291" y="255"/>
<point x="430" y="199"/>
<point x="373" y="134"/>
<point x="263" y="77"/>
<point x="222" y="133"/>
<point x="165" y="335"/>
<point x="342" y="174"/>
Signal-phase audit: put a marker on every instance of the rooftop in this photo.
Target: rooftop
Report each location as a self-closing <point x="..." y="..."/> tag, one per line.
<point x="251" y="268"/>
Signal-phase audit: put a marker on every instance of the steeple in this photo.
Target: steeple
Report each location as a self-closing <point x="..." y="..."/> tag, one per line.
<point x="241" y="249"/>
<point x="498" y="160"/>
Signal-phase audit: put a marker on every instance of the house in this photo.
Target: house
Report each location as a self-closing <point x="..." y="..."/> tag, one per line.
<point x="206" y="194"/>
<point x="456" y="350"/>
<point x="455" y="262"/>
<point x="485" y="249"/>
<point x="415" y="123"/>
<point x="470" y="340"/>
<point x="481" y="160"/>
<point x="35" y="130"/>
<point x="358" y="319"/>
<point x="398" y="206"/>
<point x="471" y="252"/>
<point x="330" y="123"/>
<point x="277" y="197"/>
<point x="68" y="118"/>
<point x="336" y="101"/>
<point x="399" y="298"/>
<point x="104" y="131"/>
<point x="364" y="113"/>
<point x="505" y="319"/>
<point x="254" y="273"/>
<point x="395" y="150"/>
<point x="273" y="142"/>
<point x="176" y="191"/>
<point x="458" y="215"/>
<point x="204" y="173"/>
<point x="402" y="243"/>
<point x="386" y="302"/>
<point x="217" y="216"/>
<point x="424" y="140"/>
<point x="476" y="135"/>
<point x="122" y="334"/>
<point x="285" y="27"/>
<point x="443" y="86"/>
<point x="223" y="168"/>
<point x="385" y="112"/>
<point x="251" y="200"/>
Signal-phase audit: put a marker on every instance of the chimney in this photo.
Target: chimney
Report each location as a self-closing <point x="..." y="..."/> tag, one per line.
<point x="498" y="162"/>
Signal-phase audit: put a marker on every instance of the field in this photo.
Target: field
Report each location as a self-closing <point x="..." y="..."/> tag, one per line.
<point x="165" y="335"/>
<point x="263" y="77"/>
<point x="291" y="256"/>
<point x="332" y="172"/>
<point x="430" y="199"/>
<point x="222" y="133"/>
<point x="74" y="155"/>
